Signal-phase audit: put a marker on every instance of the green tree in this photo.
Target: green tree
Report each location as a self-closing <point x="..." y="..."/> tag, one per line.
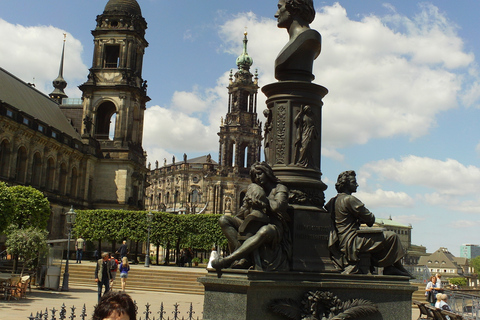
<point x="31" y="207"/>
<point x="475" y="263"/>
<point x="460" y="281"/>
<point x="28" y="244"/>
<point x="6" y="206"/>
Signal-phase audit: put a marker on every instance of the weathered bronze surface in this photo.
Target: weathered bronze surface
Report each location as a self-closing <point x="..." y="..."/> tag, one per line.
<point x="295" y="60"/>
<point x="259" y="235"/>
<point x="348" y="243"/>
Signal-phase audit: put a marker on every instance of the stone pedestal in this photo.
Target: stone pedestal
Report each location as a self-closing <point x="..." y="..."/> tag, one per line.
<point x="311" y="228"/>
<point x="293" y="150"/>
<point x="291" y="130"/>
<point x="246" y="295"/>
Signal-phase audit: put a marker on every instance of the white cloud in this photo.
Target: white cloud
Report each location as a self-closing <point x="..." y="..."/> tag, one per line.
<point x="447" y="178"/>
<point x="188" y="102"/>
<point x="408" y="219"/>
<point x="383" y="198"/>
<point x="33" y="55"/>
<point x="444" y="184"/>
<point x="382" y="82"/>
<point x="464" y="224"/>
<point x="332" y="154"/>
<point x="176" y="132"/>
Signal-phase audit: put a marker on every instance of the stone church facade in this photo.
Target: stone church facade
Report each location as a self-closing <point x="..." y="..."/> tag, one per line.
<point x="202" y="185"/>
<point x="66" y="148"/>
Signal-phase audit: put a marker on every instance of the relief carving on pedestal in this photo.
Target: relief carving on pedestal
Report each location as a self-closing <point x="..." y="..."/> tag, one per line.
<point x="319" y="305"/>
<point x="281" y="133"/>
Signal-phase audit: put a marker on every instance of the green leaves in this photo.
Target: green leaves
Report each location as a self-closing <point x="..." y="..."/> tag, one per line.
<point x="199" y="231"/>
<point x="475" y="263"/>
<point x="28" y="243"/>
<point x="6" y="206"/>
<point x="31" y="207"/>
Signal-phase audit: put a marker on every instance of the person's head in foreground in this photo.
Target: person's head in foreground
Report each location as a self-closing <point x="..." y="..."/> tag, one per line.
<point x="115" y="306"/>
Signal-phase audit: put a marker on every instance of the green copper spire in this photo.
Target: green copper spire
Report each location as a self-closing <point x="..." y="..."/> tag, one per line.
<point x="244" y="61"/>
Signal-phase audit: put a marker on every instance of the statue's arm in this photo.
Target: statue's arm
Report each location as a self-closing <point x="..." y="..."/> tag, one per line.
<point x="361" y="212"/>
<point x="279" y="201"/>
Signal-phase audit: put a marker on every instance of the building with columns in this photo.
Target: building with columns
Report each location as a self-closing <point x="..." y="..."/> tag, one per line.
<point x="202" y="185"/>
<point x="83" y="152"/>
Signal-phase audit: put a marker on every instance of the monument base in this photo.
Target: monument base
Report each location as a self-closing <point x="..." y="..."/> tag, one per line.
<point x="247" y="295"/>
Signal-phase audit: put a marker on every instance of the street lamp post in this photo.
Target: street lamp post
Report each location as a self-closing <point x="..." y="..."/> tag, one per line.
<point x="147" y="250"/>
<point x="70" y="220"/>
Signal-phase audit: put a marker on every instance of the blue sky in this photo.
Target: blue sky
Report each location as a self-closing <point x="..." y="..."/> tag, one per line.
<point x="403" y="79"/>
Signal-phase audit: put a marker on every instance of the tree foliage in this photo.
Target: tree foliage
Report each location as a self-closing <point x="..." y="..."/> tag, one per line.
<point x="31" y="207"/>
<point x="475" y="263"/>
<point x="28" y="244"/>
<point x="199" y="231"/>
<point x="460" y="281"/>
<point x="6" y="206"/>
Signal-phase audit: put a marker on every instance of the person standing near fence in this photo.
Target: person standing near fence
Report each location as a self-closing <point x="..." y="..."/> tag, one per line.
<point x="124" y="268"/>
<point x="431" y="291"/>
<point x="103" y="274"/>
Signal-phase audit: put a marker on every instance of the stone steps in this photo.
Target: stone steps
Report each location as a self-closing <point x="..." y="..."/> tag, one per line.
<point x="155" y="278"/>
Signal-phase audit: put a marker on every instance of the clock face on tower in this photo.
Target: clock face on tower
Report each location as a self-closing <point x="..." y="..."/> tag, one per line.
<point x="195" y="179"/>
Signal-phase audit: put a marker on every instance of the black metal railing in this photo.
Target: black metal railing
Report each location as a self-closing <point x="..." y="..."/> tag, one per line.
<point x="147" y="314"/>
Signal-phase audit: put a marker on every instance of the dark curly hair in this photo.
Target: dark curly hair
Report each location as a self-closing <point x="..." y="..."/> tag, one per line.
<point x="115" y="301"/>
<point x="343" y="180"/>
<point x="303" y="8"/>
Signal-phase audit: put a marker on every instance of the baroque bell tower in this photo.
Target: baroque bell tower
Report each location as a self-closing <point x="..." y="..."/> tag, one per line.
<point x="114" y="101"/>
<point x="240" y="131"/>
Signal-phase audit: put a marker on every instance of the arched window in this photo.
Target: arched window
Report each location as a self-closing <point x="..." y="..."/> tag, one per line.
<point x="5" y="153"/>
<point x="73" y="183"/>
<point x="36" y="169"/>
<point x="106" y="114"/>
<point x="50" y="178"/>
<point x="21" y="165"/>
<point x="62" y="182"/>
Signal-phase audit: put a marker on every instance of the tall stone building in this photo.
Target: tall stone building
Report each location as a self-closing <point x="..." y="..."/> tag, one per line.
<point x="66" y="147"/>
<point x="201" y="185"/>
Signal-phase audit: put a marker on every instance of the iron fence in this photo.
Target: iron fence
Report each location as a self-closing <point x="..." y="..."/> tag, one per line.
<point x="147" y="314"/>
<point x="468" y="305"/>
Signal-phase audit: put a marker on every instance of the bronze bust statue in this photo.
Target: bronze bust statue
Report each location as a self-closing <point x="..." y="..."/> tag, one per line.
<point x="295" y="60"/>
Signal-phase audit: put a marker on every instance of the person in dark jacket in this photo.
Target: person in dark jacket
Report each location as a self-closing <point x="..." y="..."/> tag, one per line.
<point x="103" y="274"/>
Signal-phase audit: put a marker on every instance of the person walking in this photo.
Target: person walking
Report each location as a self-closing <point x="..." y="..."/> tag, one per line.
<point x="123" y="250"/>
<point x="103" y="274"/>
<point x="113" y="269"/>
<point x="124" y="268"/>
<point x="79" y="245"/>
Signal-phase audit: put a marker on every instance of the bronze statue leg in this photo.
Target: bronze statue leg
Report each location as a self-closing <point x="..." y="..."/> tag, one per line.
<point x="264" y="235"/>
<point x="229" y="226"/>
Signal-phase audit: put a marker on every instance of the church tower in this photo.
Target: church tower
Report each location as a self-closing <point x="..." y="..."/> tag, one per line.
<point x="240" y="132"/>
<point x="114" y="99"/>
